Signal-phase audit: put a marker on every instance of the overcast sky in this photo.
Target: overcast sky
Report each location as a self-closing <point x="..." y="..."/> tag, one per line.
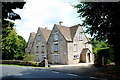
<point x="45" y="13"/>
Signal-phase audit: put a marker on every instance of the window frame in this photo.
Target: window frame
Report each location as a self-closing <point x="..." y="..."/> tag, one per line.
<point x="39" y="37"/>
<point x="42" y="49"/>
<point x="75" y="47"/>
<point x="80" y="36"/>
<point x="55" y="47"/>
<point x="56" y="58"/>
<point x="55" y="36"/>
<point x="37" y="50"/>
<point x="42" y="57"/>
<point x="76" y="56"/>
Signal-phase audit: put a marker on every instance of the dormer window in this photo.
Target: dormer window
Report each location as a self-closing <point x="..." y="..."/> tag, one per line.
<point x="80" y="36"/>
<point x="55" y="36"/>
<point x="39" y="37"/>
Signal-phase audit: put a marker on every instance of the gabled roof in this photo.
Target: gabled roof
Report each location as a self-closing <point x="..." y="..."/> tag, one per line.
<point x="32" y="36"/>
<point x="68" y="32"/>
<point x="84" y="51"/>
<point x="46" y="33"/>
<point x="73" y="30"/>
<point x="65" y="31"/>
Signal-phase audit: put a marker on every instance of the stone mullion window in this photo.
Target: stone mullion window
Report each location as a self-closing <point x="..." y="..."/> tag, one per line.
<point x="39" y="37"/>
<point x="37" y="50"/>
<point x="75" y="47"/>
<point x="80" y="36"/>
<point x="42" y="48"/>
<point x="56" y="36"/>
<point x="55" y="47"/>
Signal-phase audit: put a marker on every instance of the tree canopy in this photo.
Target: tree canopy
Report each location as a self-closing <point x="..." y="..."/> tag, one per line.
<point x="13" y="45"/>
<point x="102" y="21"/>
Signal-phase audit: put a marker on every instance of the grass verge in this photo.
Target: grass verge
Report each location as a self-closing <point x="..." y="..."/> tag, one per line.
<point x="20" y="65"/>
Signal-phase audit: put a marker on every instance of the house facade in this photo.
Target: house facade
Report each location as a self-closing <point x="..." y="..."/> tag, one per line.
<point x="63" y="45"/>
<point x="69" y="45"/>
<point x="30" y="43"/>
<point x="39" y="47"/>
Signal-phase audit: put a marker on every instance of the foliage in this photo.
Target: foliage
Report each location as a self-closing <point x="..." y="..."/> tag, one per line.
<point x="99" y="45"/>
<point x="12" y="44"/>
<point x="8" y="12"/>
<point x="102" y="21"/>
<point x="30" y="57"/>
<point x="103" y="53"/>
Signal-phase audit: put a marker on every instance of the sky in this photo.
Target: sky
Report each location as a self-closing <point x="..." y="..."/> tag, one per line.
<point x="45" y="13"/>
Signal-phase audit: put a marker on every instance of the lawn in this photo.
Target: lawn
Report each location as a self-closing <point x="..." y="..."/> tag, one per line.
<point x="21" y="65"/>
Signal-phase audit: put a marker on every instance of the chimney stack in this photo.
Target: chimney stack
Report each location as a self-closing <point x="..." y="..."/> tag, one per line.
<point x="60" y="22"/>
<point x="46" y="28"/>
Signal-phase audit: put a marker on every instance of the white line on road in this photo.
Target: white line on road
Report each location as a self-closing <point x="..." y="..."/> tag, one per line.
<point x="72" y="74"/>
<point x="97" y="78"/>
<point x="55" y="72"/>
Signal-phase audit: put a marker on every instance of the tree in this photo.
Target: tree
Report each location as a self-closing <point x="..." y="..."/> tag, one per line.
<point x="8" y="13"/>
<point x="12" y="44"/>
<point x="103" y="53"/>
<point x="104" y="23"/>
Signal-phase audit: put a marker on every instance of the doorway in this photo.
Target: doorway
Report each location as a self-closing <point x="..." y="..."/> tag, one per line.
<point x="88" y="57"/>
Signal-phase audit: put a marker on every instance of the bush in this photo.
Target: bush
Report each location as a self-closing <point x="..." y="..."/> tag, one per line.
<point x="26" y="63"/>
<point x="29" y="58"/>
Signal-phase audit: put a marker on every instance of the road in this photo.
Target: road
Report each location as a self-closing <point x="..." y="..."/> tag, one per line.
<point x="23" y="73"/>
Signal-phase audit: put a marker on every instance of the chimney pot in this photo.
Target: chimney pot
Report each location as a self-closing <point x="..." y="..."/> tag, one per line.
<point x="60" y="22"/>
<point x="46" y="28"/>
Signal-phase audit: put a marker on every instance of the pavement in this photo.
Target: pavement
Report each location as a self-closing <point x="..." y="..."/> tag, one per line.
<point x="86" y="69"/>
<point x="73" y="65"/>
<point x="52" y="73"/>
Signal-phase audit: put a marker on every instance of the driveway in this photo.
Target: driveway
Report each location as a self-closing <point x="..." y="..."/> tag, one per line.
<point x="23" y="73"/>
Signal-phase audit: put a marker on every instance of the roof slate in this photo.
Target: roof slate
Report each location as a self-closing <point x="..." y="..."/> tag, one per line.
<point x="68" y="32"/>
<point x="46" y="33"/>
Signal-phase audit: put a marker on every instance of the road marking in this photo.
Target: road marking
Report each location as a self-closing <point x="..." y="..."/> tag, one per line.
<point x="97" y="78"/>
<point x="42" y="70"/>
<point x="72" y="74"/>
<point x="55" y="72"/>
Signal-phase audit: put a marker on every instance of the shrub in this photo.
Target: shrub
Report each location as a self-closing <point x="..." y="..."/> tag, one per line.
<point x="29" y="58"/>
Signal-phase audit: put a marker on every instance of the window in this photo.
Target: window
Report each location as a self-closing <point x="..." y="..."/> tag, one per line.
<point x="37" y="49"/>
<point x="55" y="36"/>
<point x="80" y="36"/>
<point x="42" y="48"/>
<point x="55" y="47"/>
<point x="75" y="47"/>
<point x="31" y="40"/>
<point x="37" y="58"/>
<point x="75" y="56"/>
<point x="42" y="57"/>
<point x="56" y="58"/>
<point x="39" y="37"/>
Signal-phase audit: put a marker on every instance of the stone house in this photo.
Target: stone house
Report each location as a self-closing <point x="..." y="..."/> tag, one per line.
<point x="39" y="47"/>
<point x="69" y="45"/>
<point x="30" y="43"/>
<point x="62" y="45"/>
